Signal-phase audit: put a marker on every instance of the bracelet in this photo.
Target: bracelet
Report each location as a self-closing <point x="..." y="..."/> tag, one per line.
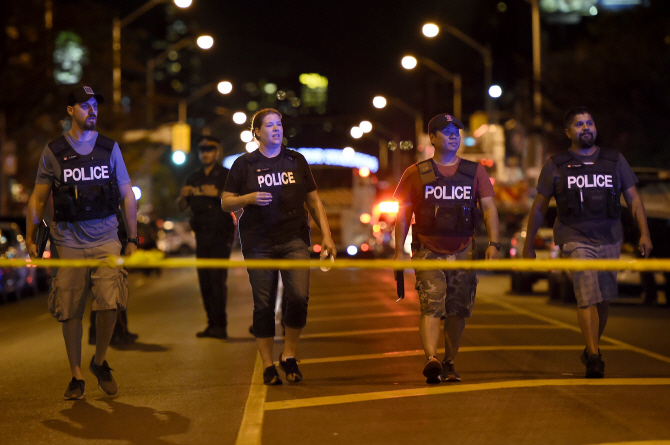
<point x="135" y="241"/>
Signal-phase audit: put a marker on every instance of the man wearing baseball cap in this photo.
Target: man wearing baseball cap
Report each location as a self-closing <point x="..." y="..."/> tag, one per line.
<point x="442" y="193"/>
<point x="86" y="176"/>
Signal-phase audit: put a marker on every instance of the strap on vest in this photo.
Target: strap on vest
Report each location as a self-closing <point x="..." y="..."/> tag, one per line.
<point x="606" y="154"/>
<point x="59" y="145"/>
<point x="105" y="142"/>
<point x="426" y="171"/>
<point x="468" y="167"/>
<point x="562" y="158"/>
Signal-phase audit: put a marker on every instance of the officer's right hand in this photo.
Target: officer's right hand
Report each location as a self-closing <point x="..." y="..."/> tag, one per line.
<point x="186" y="191"/>
<point x="32" y="249"/>
<point x="529" y="252"/>
<point x="261" y="198"/>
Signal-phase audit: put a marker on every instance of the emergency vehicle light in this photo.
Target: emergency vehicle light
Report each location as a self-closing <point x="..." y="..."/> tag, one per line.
<point x="328" y="156"/>
<point x="388" y="207"/>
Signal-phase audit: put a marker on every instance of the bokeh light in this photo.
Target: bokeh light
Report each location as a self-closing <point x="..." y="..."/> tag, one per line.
<point x="408" y="62"/>
<point x="379" y="101"/>
<point x="224" y="87"/>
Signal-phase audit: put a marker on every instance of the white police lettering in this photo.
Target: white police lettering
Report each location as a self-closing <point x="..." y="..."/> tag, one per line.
<point x="441" y="192"/>
<point x="79" y="174"/>
<point x="590" y="181"/>
<point x="272" y="179"/>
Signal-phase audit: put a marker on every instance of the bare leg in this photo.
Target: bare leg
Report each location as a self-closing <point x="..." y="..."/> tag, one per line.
<point x="603" y="312"/>
<point x="291" y="337"/>
<point x="265" y="346"/>
<point x="454" y="326"/>
<point x="590" y="325"/>
<point x="429" y="329"/>
<point x="104" y="325"/>
<point x="72" y="332"/>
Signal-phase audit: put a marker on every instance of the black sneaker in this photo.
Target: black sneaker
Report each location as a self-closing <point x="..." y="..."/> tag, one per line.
<point x="449" y="374"/>
<point x="271" y="376"/>
<point x="432" y="370"/>
<point x="213" y="332"/>
<point x="75" y="390"/>
<point x="106" y="382"/>
<point x="585" y="356"/>
<point x="595" y="367"/>
<point x="290" y="367"/>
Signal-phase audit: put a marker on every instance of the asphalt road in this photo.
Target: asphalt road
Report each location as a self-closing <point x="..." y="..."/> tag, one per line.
<point x="361" y="359"/>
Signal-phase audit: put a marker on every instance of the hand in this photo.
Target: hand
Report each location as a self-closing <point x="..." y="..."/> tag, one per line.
<point x="186" y="190"/>
<point x="209" y="190"/>
<point x="131" y="248"/>
<point x="529" y="251"/>
<point x="32" y="249"/>
<point x="328" y="248"/>
<point x="645" y="246"/>
<point x="400" y="256"/>
<point x="492" y="253"/>
<point x="260" y="198"/>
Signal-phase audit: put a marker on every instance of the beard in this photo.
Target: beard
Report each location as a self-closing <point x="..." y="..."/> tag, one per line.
<point x="86" y="125"/>
<point x="586" y="140"/>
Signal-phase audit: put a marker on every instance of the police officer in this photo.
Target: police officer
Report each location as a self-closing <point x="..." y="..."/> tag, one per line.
<point x="214" y="231"/>
<point x="587" y="182"/>
<point x="272" y="185"/>
<point x="442" y="193"/>
<point x="85" y="173"/>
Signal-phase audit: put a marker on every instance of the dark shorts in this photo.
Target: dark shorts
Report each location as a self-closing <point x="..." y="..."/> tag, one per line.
<point x="593" y="286"/>
<point x="70" y="287"/>
<point x="264" y="287"/>
<point x="445" y="292"/>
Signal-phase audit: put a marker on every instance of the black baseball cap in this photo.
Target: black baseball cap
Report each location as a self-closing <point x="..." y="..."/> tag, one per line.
<point x="83" y="94"/>
<point x="441" y="121"/>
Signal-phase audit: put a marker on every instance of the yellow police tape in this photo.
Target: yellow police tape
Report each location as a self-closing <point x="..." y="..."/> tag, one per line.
<point x="156" y="259"/>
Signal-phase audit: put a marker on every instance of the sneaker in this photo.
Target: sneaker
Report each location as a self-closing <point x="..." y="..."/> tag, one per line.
<point x="75" y="390"/>
<point x="213" y="332"/>
<point x="595" y="367"/>
<point x="290" y="367"/>
<point x="585" y="356"/>
<point x="449" y="374"/>
<point x="432" y="370"/>
<point x="271" y="376"/>
<point x="106" y="382"/>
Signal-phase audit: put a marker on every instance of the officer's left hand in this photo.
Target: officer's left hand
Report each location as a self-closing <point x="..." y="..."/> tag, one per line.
<point x="492" y="253"/>
<point x="645" y="246"/>
<point x="131" y="248"/>
<point x="209" y="190"/>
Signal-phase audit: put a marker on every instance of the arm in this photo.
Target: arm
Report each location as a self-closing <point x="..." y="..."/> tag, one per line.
<point x="182" y="200"/>
<point x="634" y="203"/>
<point x="38" y="200"/>
<point x="492" y="225"/>
<point x="315" y="207"/>
<point x="129" y="213"/>
<point x="232" y="202"/>
<point x="402" y="221"/>
<point x="537" y="211"/>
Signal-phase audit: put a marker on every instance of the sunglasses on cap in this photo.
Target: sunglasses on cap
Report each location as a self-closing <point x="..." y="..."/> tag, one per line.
<point x="207" y="147"/>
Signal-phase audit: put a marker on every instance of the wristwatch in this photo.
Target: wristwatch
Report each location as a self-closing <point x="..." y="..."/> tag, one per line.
<point x="496" y="245"/>
<point x="135" y="240"/>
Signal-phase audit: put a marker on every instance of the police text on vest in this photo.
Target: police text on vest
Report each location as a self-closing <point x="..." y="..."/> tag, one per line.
<point x="441" y="192"/>
<point x="79" y="174"/>
<point x="276" y="179"/>
<point x="590" y="181"/>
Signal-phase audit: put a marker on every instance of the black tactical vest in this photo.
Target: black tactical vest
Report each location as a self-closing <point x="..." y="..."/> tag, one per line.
<point x="447" y="206"/>
<point x="87" y="189"/>
<point x="281" y="178"/>
<point x="587" y="190"/>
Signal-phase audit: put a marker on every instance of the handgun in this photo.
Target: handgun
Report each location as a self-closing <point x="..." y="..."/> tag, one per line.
<point x="41" y="237"/>
<point x="400" y="284"/>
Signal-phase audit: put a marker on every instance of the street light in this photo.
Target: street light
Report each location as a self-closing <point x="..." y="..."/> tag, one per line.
<point x="117" y="24"/>
<point x="365" y="126"/>
<point x="495" y="91"/>
<point x="410" y="62"/>
<point x="151" y="65"/>
<point x="381" y="102"/>
<point x="433" y="30"/>
<point x="240" y="118"/>
<point x="356" y="132"/>
<point x="205" y="42"/>
<point x="224" y="87"/>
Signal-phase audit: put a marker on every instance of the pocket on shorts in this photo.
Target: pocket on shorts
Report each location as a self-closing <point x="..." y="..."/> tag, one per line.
<point x="122" y="288"/>
<point x="52" y="303"/>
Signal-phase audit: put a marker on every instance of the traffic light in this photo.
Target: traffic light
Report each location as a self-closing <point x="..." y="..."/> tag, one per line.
<point x="181" y="137"/>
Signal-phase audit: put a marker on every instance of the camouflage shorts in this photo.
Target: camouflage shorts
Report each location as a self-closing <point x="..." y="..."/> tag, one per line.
<point x="445" y="292"/>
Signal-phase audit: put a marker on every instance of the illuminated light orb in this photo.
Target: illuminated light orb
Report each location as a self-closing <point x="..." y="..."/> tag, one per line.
<point x="137" y="192"/>
<point x="224" y="87"/>
<point x="352" y="250"/>
<point x="240" y="118"/>
<point x="183" y="3"/>
<point x="430" y="30"/>
<point x="379" y="102"/>
<point x="365" y="126"/>
<point x="168" y="225"/>
<point x="251" y="146"/>
<point x="205" y="42"/>
<point x="178" y="157"/>
<point x="246" y="136"/>
<point x="470" y="141"/>
<point x="356" y="132"/>
<point x="364" y="172"/>
<point x="348" y="152"/>
<point x="495" y="91"/>
<point x="317" y="248"/>
<point x="365" y="218"/>
<point x="270" y="88"/>
<point x="365" y="247"/>
<point x="408" y="62"/>
<point x="593" y="10"/>
<point x="388" y="206"/>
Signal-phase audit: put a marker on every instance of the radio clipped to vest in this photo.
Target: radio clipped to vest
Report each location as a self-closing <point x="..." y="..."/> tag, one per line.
<point x="88" y="188"/>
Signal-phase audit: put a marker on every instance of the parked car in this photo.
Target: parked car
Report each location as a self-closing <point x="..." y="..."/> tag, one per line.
<point x="176" y="238"/>
<point x="15" y="282"/>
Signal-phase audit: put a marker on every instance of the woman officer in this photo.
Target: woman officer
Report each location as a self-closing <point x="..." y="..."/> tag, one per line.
<point x="272" y="184"/>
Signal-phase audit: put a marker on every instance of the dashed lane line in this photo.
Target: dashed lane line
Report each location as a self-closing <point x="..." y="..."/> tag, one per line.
<point x="416" y="329"/>
<point x="400" y="314"/>
<point x="451" y="389"/>
<point x="251" y="429"/>
<point x="313" y="306"/>
<point x="462" y="349"/>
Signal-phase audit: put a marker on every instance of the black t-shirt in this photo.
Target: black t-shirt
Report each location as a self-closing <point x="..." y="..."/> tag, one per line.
<point x="254" y="172"/>
<point x="207" y="212"/>
<point x="595" y="232"/>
